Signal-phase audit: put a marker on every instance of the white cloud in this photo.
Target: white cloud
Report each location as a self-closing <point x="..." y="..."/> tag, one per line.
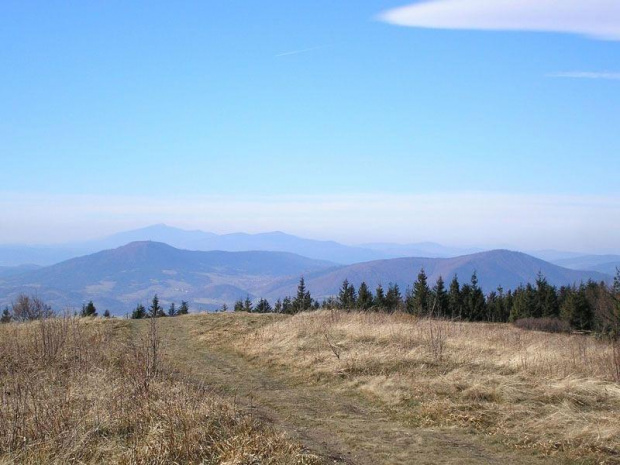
<point x="586" y="75"/>
<point x="598" y="19"/>
<point x="582" y="223"/>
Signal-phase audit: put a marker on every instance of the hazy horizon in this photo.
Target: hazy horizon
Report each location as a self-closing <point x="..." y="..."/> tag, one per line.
<point x="466" y="247"/>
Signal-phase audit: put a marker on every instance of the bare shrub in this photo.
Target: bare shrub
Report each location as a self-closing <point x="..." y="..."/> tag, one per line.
<point x="28" y="308"/>
<point x="436" y="339"/>
<point x="548" y="325"/>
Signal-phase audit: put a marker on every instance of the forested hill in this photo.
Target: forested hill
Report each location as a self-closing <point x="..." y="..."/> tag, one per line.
<point x="494" y="268"/>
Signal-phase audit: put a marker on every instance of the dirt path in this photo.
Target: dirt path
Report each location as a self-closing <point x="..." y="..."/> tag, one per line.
<point x="341" y="427"/>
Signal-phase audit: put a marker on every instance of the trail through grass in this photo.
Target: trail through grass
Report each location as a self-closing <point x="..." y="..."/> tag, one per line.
<point x="328" y="416"/>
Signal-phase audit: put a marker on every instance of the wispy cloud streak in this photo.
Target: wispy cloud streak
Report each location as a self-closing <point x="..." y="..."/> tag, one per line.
<point x="586" y="75"/>
<point x="598" y="19"/>
<point x="303" y="50"/>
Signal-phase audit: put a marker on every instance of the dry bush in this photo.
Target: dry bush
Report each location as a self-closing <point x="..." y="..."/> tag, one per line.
<point x="554" y="392"/>
<point x="86" y="391"/>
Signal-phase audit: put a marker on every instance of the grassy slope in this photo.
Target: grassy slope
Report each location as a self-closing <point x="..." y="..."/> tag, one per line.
<point x="87" y="391"/>
<point x="554" y="394"/>
<point x="353" y="388"/>
<point x="262" y="360"/>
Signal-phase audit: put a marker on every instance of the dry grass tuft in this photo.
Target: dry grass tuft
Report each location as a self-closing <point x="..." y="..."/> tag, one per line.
<point x="552" y="392"/>
<point x="86" y="391"/>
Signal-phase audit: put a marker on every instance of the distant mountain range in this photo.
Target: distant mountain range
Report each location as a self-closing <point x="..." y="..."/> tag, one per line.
<point x="236" y="242"/>
<point x="119" y="278"/>
<point x="602" y="263"/>
<point x="44" y="255"/>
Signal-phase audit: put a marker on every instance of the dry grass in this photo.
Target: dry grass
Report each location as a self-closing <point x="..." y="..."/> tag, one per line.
<point x="552" y="392"/>
<point x="86" y="391"/>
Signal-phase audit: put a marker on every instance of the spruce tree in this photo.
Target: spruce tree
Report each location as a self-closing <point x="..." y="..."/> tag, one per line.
<point x="106" y="314"/>
<point x="155" y="310"/>
<point x="139" y="312"/>
<point x="6" y="316"/>
<point x="577" y="311"/>
<point x="379" y="300"/>
<point x="88" y="309"/>
<point x="420" y="296"/>
<point x="346" y="295"/>
<point x="393" y="298"/>
<point x="364" y="297"/>
<point x="524" y="300"/>
<point x="477" y="303"/>
<point x="238" y="306"/>
<point x="441" y="302"/>
<point x="303" y="300"/>
<point x="455" y="300"/>
<point x="287" y="306"/>
<point x="247" y="304"/>
<point x="183" y="308"/>
<point x="263" y="306"/>
<point x="172" y="311"/>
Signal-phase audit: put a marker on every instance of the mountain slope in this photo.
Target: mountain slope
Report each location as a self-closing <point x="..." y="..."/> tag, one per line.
<point x="494" y="268"/>
<point x="602" y="263"/>
<point x="121" y="277"/>
<point x="237" y="242"/>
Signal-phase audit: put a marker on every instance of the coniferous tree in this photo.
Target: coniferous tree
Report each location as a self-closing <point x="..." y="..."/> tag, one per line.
<point x="303" y="300"/>
<point x="183" y="308"/>
<point x="247" y="304"/>
<point x="441" y="301"/>
<point x="393" y="298"/>
<point x="455" y="299"/>
<point x="420" y="296"/>
<point x="139" y="312"/>
<point x="238" y="306"/>
<point x="106" y="314"/>
<point x="546" y="301"/>
<point x="379" y="300"/>
<point x="88" y="309"/>
<point x="224" y="308"/>
<point x="6" y="316"/>
<point x="346" y="295"/>
<point x="364" y="297"/>
<point x="287" y="306"/>
<point x="477" y="304"/>
<point x="576" y="310"/>
<point x="466" y="302"/>
<point x="523" y="302"/>
<point x="156" y="310"/>
<point x="263" y="306"/>
<point x="499" y="305"/>
<point x="172" y="311"/>
<point x="277" y="307"/>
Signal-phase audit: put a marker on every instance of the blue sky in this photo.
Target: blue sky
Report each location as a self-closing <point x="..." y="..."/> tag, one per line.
<point x="144" y="104"/>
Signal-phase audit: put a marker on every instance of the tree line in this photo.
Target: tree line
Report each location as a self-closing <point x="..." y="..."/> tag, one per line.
<point x="30" y="308"/>
<point x="590" y="306"/>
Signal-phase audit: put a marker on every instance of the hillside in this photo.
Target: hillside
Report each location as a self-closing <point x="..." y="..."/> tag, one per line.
<point x="117" y="279"/>
<point x="275" y="241"/>
<point x="601" y="263"/>
<point x="494" y="268"/>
